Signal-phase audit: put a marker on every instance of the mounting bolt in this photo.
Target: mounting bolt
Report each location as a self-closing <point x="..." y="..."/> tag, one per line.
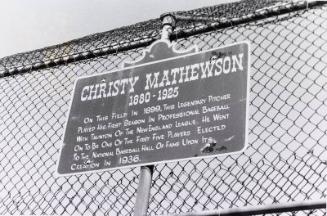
<point x="168" y="22"/>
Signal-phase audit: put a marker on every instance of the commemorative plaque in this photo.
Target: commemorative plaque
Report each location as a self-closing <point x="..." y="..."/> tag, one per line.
<point x="189" y="106"/>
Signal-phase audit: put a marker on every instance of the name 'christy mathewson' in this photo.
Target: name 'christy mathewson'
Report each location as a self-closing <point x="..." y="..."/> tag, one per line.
<point x="167" y="77"/>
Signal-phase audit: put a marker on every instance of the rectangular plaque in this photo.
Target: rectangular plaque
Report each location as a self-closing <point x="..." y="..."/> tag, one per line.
<point x="191" y="106"/>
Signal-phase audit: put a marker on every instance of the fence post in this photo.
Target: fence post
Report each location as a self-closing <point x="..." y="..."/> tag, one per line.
<point x="143" y="190"/>
<point x="168" y="24"/>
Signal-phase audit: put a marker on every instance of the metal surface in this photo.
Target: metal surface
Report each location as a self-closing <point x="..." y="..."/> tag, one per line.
<point x="266" y="209"/>
<point x="143" y="191"/>
<point x="150" y="113"/>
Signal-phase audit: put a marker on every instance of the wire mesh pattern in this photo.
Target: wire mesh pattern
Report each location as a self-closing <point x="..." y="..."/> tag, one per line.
<point x="286" y="159"/>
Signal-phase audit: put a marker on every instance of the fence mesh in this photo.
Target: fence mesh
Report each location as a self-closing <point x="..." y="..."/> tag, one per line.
<point x="286" y="159"/>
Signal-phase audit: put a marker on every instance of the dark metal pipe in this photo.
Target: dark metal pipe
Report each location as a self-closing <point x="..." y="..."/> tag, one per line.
<point x="265" y="13"/>
<point x="264" y="209"/>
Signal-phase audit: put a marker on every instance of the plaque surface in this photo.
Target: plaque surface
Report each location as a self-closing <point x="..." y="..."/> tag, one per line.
<point x="190" y="106"/>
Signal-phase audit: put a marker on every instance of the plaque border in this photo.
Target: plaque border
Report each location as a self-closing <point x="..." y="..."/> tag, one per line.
<point x="58" y="174"/>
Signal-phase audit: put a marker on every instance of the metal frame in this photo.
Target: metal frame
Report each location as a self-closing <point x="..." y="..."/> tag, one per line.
<point x="265" y="209"/>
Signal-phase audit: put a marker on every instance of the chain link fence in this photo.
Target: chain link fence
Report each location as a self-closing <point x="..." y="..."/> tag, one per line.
<point x="286" y="159"/>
